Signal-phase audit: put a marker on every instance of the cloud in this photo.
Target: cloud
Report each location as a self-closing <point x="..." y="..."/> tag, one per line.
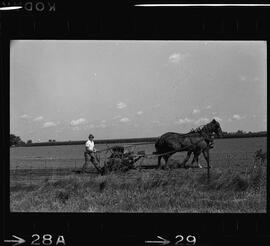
<point x="238" y="117"/>
<point x="125" y="119"/>
<point x="175" y="58"/>
<point x="208" y="107"/>
<point x="77" y="122"/>
<point x="101" y="125"/>
<point x="49" y="124"/>
<point x="230" y="120"/>
<point x="25" y="116"/>
<point x="183" y="121"/>
<point x="121" y="105"/>
<point x="195" y="111"/>
<point x="201" y="121"/>
<point x="243" y="78"/>
<point x="39" y="118"/>
<point x="140" y="112"/>
<point x="90" y="126"/>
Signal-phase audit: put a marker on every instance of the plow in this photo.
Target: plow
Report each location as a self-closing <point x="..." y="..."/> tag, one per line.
<point x="122" y="159"/>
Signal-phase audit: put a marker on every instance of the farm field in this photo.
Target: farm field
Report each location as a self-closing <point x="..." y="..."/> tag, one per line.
<point x="235" y="186"/>
<point x="72" y="155"/>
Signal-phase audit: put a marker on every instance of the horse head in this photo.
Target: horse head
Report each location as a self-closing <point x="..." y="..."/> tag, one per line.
<point x="215" y="126"/>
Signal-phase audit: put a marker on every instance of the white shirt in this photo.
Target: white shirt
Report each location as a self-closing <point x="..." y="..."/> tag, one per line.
<point x="90" y="145"/>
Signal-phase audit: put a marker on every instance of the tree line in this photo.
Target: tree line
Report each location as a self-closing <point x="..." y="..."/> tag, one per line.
<point x="17" y="141"/>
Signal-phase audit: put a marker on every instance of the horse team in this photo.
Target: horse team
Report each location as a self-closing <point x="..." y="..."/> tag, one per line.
<point x="196" y="141"/>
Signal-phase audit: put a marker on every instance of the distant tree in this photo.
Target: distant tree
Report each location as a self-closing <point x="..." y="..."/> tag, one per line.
<point x="239" y="132"/>
<point x="29" y="141"/>
<point x="50" y="140"/>
<point x="54" y="140"/>
<point x="14" y="140"/>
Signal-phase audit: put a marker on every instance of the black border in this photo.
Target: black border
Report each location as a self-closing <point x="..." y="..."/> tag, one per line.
<point x="112" y="21"/>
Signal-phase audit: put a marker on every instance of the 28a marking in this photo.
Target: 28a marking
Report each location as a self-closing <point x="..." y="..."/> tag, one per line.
<point x="47" y="239"/>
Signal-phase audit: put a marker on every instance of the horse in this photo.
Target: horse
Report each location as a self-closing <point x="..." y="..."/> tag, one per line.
<point x="260" y="155"/>
<point x="196" y="142"/>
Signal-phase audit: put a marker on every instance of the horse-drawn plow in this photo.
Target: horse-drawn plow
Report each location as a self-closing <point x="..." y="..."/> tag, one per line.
<point x="123" y="158"/>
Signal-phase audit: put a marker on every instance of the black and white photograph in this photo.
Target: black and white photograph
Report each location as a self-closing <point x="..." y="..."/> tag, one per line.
<point x="138" y="126"/>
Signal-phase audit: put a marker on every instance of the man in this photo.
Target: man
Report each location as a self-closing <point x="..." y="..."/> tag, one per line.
<point x="89" y="151"/>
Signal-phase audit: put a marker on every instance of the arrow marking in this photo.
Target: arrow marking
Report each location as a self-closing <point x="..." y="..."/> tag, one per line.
<point x="17" y="241"/>
<point x="10" y="8"/>
<point x="163" y="242"/>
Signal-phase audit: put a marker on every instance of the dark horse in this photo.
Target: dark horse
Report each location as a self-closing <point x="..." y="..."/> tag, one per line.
<point x="196" y="142"/>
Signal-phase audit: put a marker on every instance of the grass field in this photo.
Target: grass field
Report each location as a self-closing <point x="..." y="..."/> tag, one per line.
<point x="181" y="191"/>
<point x="235" y="186"/>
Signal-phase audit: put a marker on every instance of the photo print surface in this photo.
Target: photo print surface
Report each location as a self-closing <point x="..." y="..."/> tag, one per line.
<point x="177" y="126"/>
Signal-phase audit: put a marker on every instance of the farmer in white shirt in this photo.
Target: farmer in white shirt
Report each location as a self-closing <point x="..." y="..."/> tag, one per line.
<point x="89" y="151"/>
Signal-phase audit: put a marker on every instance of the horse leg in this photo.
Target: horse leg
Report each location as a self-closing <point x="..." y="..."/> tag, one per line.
<point x="196" y="158"/>
<point x="159" y="161"/>
<point x="206" y="157"/>
<point x="186" y="159"/>
<point x="166" y="158"/>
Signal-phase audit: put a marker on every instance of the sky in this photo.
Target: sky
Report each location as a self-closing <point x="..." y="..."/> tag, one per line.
<point x="65" y="90"/>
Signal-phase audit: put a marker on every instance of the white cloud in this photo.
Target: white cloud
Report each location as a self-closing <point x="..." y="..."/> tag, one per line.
<point x="121" y="105"/>
<point x="177" y="57"/>
<point x="39" y="118"/>
<point x="49" y="124"/>
<point x="90" y="126"/>
<point x="243" y="78"/>
<point x="230" y="120"/>
<point x="183" y="121"/>
<point x="25" y="116"/>
<point x="140" y="112"/>
<point x="208" y="107"/>
<point x="101" y="125"/>
<point x="125" y="119"/>
<point x="195" y="111"/>
<point x="103" y="121"/>
<point x="201" y="121"/>
<point x="77" y="122"/>
<point x="238" y="117"/>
